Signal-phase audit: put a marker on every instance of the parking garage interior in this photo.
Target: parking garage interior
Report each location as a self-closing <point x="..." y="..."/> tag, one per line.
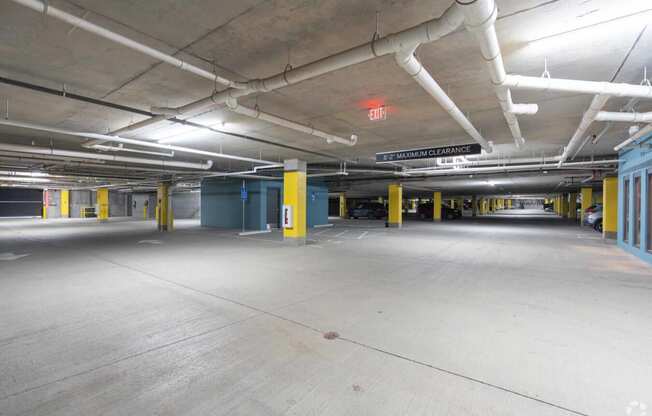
<point x="290" y="207"/>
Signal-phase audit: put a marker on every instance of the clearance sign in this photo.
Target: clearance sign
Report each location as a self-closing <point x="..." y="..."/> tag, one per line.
<point x="429" y="153"/>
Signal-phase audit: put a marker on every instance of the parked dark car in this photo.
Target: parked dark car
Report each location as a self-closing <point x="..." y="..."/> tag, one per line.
<point x="368" y="210"/>
<point x="426" y="210"/>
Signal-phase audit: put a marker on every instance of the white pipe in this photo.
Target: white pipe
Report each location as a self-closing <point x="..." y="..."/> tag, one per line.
<point x="575" y="86"/>
<point x="624" y="117"/>
<point x="126" y="149"/>
<point x="98" y="156"/>
<point x="117" y="139"/>
<point x="485" y="162"/>
<point x="426" y="32"/>
<point x="232" y="104"/>
<point x="42" y="7"/>
<point x="642" y="132"/>
<point x="479" y="19"/>
<point x="415" y="69"/>
<point x="506" y="168"/>
<point x="596" y="105"/>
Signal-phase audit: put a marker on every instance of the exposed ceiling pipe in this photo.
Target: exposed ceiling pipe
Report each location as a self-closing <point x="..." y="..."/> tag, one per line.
<point x="624" y="117"/>
<point x="133" y="110"/>
<point x="232" y="104"/>
<point x="136" y="142"/>
<point x="129" y="150"/>
<point x="485" y="162"/>
<point x="43" y="7"/>
<point x="506" y="168"/>
<point x="597" y="103"/>
<point x="426" y="32"/>
<point x="245" y="172"/>
<point x="647" y="130"/>
<point x="99" y="156"/>
<point x="415" y="69"/>
<point x="74" y="162"/>
<point x="582" y="87"/>
<point x="479" y="19"/>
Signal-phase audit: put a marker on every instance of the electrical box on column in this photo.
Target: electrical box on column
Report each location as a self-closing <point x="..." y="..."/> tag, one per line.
<point x="294" y="201"/>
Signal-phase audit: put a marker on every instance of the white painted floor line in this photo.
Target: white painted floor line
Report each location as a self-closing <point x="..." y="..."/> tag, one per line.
<point x="342" y="233"/>
<point x="322" y="231"/>
<point x="361" y="236"/>
<point x="323" y="225"/>
<point x="255" y="232"/>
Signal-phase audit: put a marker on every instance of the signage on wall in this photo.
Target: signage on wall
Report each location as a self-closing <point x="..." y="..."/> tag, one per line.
<point x="377" y="113"/>
<point x="429" y="153"/>
<point x="287" y="216"/>
<point x="243" y="194"/>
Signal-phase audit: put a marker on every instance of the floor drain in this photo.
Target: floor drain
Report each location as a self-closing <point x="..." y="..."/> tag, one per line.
<point x="331" y="335"/>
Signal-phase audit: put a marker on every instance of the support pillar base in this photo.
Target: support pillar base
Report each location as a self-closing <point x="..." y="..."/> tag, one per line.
<point x="295" y="241"/>
<point x="609" y="235"/>
<point x="394" y="224"/>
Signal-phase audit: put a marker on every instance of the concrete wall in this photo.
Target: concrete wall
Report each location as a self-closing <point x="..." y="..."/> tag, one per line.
<point x="186" y="205"/>
<point x="79" y="200"/>
<point x="138" y="205"/>
<point x="221" y="205"/>
<point x="635" y="162"/>
<point x="53" y="209"/>
<point x="119" y="204"/>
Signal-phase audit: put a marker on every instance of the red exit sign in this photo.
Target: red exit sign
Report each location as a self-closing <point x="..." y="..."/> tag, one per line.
<point x="377" y="113"/>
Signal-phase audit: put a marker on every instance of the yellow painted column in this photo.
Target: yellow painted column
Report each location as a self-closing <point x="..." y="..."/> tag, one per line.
<point x="610" y="207"/>
<point x="509" y="204"/>
<point x="395" y="205"/>
<point x="65" y="203"/>
<point x="163" y="207"/>
<point x="572" y="206"/>
<point x="436" y="206"/>
<point x="46" y="201"/>
<point x="103" y="204"/>
<point x="344" y="213"/>
<point x="563" y="205"/>
<point x="294" y="201"/>
<point x="587" y="201"/>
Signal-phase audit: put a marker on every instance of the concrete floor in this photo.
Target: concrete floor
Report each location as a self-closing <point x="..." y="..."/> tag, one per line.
<point x="509" y="315"/>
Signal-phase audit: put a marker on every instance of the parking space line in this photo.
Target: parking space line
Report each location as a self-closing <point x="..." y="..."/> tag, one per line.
<point x="341" y="234"/>
<point x="361" y="236"/>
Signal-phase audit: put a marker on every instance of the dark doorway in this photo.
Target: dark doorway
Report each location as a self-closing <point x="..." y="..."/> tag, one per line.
<point x="273" y="207"/>
<point x="21" y="202"/>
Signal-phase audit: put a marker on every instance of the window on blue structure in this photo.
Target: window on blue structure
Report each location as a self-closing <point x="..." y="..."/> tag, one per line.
<point x="637" y="211"/>
<point x="626" y="210"/>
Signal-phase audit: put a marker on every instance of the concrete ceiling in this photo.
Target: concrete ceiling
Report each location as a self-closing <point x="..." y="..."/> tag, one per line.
<point x="245" y="39"/>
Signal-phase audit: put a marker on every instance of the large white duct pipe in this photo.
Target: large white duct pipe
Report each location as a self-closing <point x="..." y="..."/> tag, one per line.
<point x="142" y="143"/>
<point x="491" y="162"/>
<point x="582" y="87"/>
<point x="505" y="169"/>
<point x="98" y="156"/>
<point x="641" y="133"/>
<point x="596" y="105"/>
<point x="232" y="104"/>
<point x="415" y="69"/>
<point x="479" y="19"/>
<point x="624" y="117"/>
<point x="426" y="32"/>
<point x="42" y="6"/>
<point x="120" y="148"/>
